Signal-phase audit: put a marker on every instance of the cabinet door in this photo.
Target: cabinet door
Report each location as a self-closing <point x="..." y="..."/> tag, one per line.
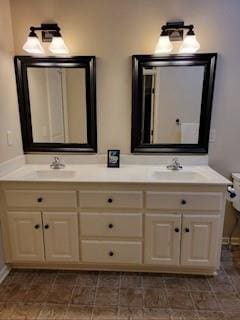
<point x="162" y="239"/>
<point x="26" y="236"/>
<point x="61" y="236"/>
<point x="200" y="238"/>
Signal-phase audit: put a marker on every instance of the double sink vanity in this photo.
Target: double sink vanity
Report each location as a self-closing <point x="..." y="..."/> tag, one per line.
<point x="137" y="217"/>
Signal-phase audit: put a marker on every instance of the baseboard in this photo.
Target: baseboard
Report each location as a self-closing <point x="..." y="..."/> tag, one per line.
<point x="4" y="272"/>
<point x="235" y="240"/>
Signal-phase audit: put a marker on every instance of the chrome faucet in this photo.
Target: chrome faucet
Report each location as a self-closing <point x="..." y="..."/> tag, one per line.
<point x="175" y="165"/>
<point x="57" y="164"/>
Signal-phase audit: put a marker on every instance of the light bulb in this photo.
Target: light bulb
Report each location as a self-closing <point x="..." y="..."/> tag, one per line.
<point x="164" y="44"/>
<point x="33" y="46"/>
<point x="58" y="46"/>
<point x="189" y="45"/>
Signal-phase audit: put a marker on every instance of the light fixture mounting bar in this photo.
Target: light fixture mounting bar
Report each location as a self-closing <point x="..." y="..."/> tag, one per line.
<point x="48" y="31"/>
<point x="175" y="29"/>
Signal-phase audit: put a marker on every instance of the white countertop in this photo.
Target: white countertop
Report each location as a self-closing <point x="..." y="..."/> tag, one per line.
<point x="99" y="173"/>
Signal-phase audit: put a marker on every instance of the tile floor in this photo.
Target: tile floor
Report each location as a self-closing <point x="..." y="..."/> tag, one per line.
<point x="26" y="294"/>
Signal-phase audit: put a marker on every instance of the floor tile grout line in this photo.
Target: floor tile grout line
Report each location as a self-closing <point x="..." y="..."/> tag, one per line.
<point x="233" y="285"/>
<point x="215" y="296"/>
<point x="141" y="286"/>
<point x="52" y="285"/>
<point x="119" y="292"/>
<point x="95" y="295"/>
<point x="166" y="294"/>
<point x="230" y="277"/>
<point x="194" y="305"/>
<point x="69" y="302"/>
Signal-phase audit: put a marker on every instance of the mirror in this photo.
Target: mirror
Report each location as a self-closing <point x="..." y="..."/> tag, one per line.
<point x="171" y="106"/>
<point x="57" y="103"/>
<point x="172" y="101"/>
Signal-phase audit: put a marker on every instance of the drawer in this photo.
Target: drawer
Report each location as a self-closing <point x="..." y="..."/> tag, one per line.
<point x="111" y="199"/>
<point x="111" y="251"/>
<point x="41" y="198"/>
<point x="210" y="201"/>
<point x="111" y="224"/>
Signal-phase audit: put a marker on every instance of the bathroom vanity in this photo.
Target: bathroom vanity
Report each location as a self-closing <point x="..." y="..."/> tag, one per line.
<point x="136" y="218"/>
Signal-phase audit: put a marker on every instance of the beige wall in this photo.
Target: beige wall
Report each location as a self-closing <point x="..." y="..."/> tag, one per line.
<point x="9" y="118"/>
<point x="113" y="30"/>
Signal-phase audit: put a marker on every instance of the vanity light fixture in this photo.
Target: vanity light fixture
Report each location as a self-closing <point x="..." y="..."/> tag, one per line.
<point x="33" y="45"/>
<point x="164" y="44"/>
<point x="50" y="33"/>
<point x="174" y="31"/>
<point x="57" y="45"/>
<point x="190" y="43"/>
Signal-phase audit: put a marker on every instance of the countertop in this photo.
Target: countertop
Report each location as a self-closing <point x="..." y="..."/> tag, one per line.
<point x="99" y="173"/>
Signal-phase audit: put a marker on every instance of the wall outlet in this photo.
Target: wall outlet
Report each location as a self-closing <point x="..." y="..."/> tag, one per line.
<point x="212" y="136"/>
<point x="9" y="138"/>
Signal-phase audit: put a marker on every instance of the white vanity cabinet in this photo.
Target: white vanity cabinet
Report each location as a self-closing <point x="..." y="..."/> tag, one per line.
<point x="26" y="236"/>
<point x="199" y="233"/>
<point x="186" y="236"/>
<point x="162" y="238"/>
<point x="37" y="236"/>
<point x="61" y="236"/>
<point x="106" y="226"/>
<point x="41" y="235"/>
<point x="181" y="239"/>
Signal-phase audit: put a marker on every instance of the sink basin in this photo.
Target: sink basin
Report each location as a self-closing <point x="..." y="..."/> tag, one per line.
<point x="51" y="174"/>
<point x="178" y="175"/>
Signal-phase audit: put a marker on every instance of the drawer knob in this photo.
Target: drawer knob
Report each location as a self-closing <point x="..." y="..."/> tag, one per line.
<point x="187" y="230"/>
<point x="110" y="200"/>
<point x="176" y="229"/>
<point x="37" y="226"/>
<point x="110" y="226"/>
<point x="40" y="200"/>
<point x="183" y="202"/>
<point x="46" y="226"/>
<point x="111" y="253"/>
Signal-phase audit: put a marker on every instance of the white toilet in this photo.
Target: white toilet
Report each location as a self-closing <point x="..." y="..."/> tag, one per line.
<point x="236" y="203"/>
<point x="236" y="186"/>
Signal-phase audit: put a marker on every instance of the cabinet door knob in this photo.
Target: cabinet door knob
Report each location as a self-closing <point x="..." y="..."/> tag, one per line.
<point x="176" y="229"/>
<point x="111" y="253"/>
<point x="187" y="230"/>
<point x="40" y="200"/>
<point x="110" y="200"/>
<point x="183" y="202"/>
<point x="37" y="226"/>
<point x="46" y="226"/>
<point x="110" y="226"/>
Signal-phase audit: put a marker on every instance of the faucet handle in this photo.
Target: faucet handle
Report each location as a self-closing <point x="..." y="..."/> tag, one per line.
<point x="175" y="165"/>
<point x="176" y="160"/>
<point x="56" y="164"/>
<point x="56" y="159"/>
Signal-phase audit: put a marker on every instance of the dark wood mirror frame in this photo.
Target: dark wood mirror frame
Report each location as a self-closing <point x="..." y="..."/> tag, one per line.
<point x="208" y="61"/>
<point x="87" y="62"/>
